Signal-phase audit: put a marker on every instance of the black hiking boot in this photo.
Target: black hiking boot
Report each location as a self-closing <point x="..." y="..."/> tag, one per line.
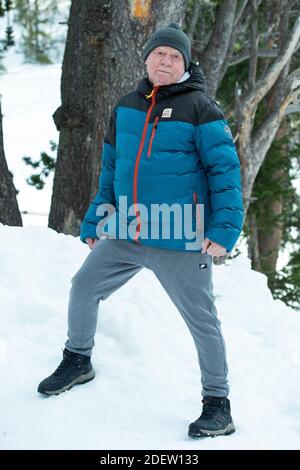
<point x="215" y="419"/>
<point x="73" y="369"/>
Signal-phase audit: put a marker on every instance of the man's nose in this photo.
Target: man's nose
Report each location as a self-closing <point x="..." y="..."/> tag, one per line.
<point x="167" y="60"/>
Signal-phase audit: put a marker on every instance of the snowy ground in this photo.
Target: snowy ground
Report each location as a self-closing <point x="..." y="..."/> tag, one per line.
<point x="147" y="385"/>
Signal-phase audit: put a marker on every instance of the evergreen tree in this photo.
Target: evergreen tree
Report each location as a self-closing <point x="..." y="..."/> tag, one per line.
<point x="37" y="19"/>
<point x="45" y="165"/>
<point x="8" y="40"/>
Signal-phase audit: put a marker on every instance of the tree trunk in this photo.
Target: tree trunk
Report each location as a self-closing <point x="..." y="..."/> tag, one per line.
<point x="9" y="210"/>
<point x="102" y="61"/>
<point x="253" y="242"/>
<point x="270" y="240"/>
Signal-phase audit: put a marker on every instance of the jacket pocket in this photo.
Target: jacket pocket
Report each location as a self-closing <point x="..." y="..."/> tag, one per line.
<point x="152" y="136"/>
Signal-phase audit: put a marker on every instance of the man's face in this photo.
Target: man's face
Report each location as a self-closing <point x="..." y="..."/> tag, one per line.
<point x="165" y="65"/>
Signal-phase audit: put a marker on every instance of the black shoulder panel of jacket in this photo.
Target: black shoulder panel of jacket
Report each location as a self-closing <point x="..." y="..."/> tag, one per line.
<point x="135" y="100"/>
<point x="188" y="100"/>
<point x="194" y="106"/>
<point x="208" y="110"/>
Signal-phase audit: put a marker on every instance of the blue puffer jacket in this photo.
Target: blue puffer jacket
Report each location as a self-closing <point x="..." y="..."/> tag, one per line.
<point x="169" y="145"/>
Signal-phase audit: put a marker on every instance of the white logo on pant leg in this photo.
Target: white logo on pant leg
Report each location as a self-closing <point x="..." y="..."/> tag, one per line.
<point x="202" y="266"/>
<point x="167" y="112"/>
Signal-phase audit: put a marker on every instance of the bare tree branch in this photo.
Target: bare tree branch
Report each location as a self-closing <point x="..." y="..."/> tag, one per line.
<point x="264" y="137"/>
<point x="282" y="89"/>
<point x="194" y="18"/>
<point x="216" y="50"/>
<point x="240" y="13"/>
<point x="261" y="53"/>
<point x="241" y="19"/>
<point x="265" y="83"/>
<point x="278" y="84"/>
<point x="253" y="45"/>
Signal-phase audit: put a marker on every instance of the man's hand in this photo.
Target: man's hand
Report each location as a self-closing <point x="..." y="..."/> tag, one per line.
<point x="212" y="248"/>
<point x="91" y="242"/>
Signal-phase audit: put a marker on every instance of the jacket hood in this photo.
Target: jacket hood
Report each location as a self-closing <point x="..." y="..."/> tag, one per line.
<point x="195" y="82"/>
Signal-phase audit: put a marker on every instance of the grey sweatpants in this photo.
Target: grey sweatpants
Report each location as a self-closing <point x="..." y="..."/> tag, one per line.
<point x="186" y="278"/>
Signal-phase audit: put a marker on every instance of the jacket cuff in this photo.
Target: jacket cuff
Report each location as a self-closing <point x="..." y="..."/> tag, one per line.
<point x="87" y="230"/>
<point x="226" y="237"/>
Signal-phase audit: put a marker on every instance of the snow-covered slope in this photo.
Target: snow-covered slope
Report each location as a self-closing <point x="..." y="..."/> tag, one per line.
<point x="147" y="385"/>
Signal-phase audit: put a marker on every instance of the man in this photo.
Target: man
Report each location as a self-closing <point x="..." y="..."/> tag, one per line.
<point x="167" y="143"/>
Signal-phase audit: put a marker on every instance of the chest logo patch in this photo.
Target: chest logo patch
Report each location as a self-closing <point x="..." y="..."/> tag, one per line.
<point x="167" y="112"/>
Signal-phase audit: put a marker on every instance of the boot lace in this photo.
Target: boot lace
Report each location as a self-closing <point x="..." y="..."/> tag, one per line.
<point x="211" y="409"/>
<point x="64" y="365"/>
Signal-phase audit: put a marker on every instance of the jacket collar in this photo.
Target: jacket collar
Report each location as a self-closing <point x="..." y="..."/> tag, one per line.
<point x="184" y="77"/>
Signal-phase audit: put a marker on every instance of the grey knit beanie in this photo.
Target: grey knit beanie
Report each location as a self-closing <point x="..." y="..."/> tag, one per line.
<point x="172" y="36"/>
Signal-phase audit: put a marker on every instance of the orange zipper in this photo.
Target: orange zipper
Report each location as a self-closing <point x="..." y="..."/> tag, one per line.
<point x="152" y="136"/>
<point x="198" y="215"/>
<point x="137" y="162"/>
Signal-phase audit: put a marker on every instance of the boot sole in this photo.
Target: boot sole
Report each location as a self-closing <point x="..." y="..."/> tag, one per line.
<point x="83" y="379"/>
<point x="230" y="429"/>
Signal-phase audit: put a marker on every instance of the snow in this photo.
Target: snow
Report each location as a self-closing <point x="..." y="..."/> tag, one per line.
<point x="30" y="95"/>
<point x="147" y="386"/>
